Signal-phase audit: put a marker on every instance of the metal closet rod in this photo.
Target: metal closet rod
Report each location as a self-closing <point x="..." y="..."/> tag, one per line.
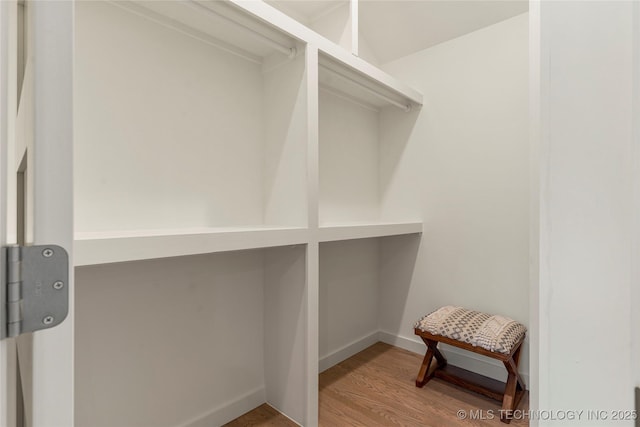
<point x="289" y="51"/>
<point x="404" y="107"/>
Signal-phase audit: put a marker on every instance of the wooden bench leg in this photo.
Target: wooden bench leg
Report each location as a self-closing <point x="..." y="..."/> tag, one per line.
<point x="432" y="350"/>
<point x="424" y="369"/>
<point x="514" y="389"/>
<point x="433" y="345"/>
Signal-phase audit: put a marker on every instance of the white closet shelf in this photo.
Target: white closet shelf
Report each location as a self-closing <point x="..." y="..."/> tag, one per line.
<point x="369" y="74"/>
<point x="336" y="232"/>
<point x="217" y="23"/>
<point x="259" y="28"/>
<point x="350" y="74"/>
<point x="93" y="248"/>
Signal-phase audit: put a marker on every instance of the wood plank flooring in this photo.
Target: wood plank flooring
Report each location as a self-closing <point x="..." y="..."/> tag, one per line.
<point x="263" y="415"/>
<point x="376" y="387"/>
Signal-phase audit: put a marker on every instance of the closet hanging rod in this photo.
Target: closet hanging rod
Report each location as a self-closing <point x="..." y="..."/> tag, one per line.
<point x="400" y="105"/>
<point x="288" y="51"/>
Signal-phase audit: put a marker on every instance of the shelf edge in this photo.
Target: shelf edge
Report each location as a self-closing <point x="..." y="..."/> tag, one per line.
<point x="138" y="248"/>
<point x="335" y="233"/>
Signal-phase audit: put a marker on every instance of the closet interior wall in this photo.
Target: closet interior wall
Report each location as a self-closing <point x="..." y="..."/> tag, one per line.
<point x="468" y="161"/>
<point x="185" y="135"/>
<point x="348" y="301"/>
<point x="333" y="19"/>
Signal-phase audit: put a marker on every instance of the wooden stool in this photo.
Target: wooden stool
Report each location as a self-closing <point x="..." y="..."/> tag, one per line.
<point x="492" y="336"/>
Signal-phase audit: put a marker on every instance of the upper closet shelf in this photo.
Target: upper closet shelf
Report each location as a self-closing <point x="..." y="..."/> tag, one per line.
<point x="344" y="81"/>
<point x="108" y="247"/>
<point x="218" y="23"/>
<point x="332" y="233"/>
<point x="364" y="72"/>
<point x="254" y="30"/>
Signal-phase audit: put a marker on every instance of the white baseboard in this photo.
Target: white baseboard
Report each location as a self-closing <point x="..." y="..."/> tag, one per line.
<point x="347" y="351"/>
<point x="402" y="342"/>
<point x="230" y="410"/>
<point x="457" y="357"/>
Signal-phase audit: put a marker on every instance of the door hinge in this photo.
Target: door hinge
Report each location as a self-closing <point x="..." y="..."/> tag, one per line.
<point x="35" y="288"/>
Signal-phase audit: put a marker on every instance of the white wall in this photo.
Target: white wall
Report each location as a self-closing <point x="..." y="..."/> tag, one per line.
<point x="348" y="298"/>
<point x="145" y="154"/>
<point x="336" y="25"/>
<point x="331" y="20"/>
<point x="365" y="51"/>
<point x="469" y="157"/>
<point x="349" y="190"/>
<point x="588" y="175"/>
<point x="285" y="330"/>
<point x="285" y="109"/>
<point x="165" y="342"/>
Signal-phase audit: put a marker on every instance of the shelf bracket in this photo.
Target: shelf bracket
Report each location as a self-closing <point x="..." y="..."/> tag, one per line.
<point x="34" y="293"/>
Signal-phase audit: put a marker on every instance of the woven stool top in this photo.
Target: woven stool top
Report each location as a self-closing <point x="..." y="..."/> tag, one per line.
<point x="497" y="334"/>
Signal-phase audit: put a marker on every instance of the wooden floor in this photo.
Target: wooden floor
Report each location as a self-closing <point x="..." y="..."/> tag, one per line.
<point x="376" y="387"/>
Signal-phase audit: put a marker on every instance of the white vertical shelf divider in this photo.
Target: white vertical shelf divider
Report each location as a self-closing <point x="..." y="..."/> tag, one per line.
<point x="355" y="27"/>
<point x="313" y="251"/>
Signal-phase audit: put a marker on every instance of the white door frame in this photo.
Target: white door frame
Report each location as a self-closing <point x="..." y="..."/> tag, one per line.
<point x="7" y="347"/>
<point x="51" y="170"/>
<point x="53" y="350"/>
<point x="555" y="244"/>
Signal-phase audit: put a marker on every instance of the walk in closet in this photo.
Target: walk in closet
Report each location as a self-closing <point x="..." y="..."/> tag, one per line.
<point x="251" y="192"/>
<point x="237" y="178"/>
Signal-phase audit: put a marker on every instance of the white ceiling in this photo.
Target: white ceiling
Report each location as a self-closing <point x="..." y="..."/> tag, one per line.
<point x="392" y="29"/>
<point x="396" y="28"/>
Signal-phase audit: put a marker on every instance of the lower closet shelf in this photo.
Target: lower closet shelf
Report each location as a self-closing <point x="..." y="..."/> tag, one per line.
<point x="93" y="248"/>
